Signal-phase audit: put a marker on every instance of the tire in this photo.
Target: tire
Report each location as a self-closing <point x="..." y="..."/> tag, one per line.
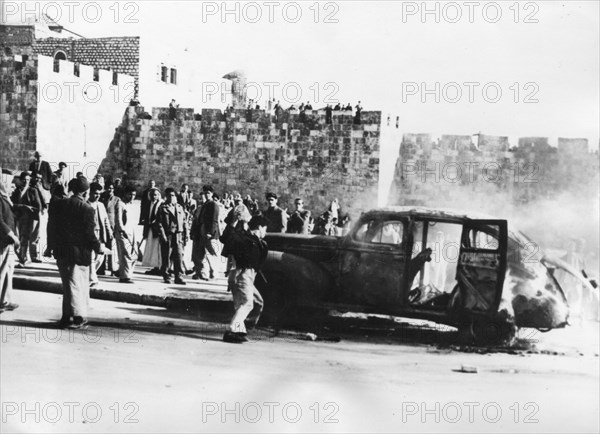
<point x="489" y="331"/>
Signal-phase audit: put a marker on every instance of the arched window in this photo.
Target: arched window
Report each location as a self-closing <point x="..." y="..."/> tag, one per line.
<point x="59" y="55"/>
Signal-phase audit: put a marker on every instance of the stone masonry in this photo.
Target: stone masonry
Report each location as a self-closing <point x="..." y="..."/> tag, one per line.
<point x="455" y="170"/>
<point x="18" y="110"/>
<point x="250" y="152"/>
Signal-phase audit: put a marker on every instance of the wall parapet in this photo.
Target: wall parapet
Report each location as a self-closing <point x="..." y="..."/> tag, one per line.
<point x="253" y="152"/>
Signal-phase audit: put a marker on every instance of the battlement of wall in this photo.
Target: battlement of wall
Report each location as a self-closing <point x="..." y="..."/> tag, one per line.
<point x="65" y="112"/>
<point x="76" y="72"/>
<point x="252" y="152"/>
<point x="120" y="54"/>
<point x="440" y="173"/>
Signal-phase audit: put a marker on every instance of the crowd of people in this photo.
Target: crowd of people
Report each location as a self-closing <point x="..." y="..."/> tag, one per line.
<point x="276" y="110"/>
<point x="91" y="231"/>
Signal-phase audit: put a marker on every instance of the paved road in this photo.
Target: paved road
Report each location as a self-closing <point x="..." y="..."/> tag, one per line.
<point x="145" y="369"/>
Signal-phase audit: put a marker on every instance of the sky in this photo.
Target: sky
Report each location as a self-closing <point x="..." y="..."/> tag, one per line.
<point x="501" y="68"/>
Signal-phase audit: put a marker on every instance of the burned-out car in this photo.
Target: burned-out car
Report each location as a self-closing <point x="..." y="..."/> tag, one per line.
<point x="472" y="272"/>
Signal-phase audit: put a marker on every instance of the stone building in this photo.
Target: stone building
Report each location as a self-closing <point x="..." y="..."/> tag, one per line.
<point x="160" y="73"/>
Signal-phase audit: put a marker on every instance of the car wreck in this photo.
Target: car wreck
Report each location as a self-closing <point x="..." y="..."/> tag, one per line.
<point x="472" y="272"/>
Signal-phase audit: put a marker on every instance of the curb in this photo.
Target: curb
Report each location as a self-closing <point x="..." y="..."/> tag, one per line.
<point x="168" y="302"/>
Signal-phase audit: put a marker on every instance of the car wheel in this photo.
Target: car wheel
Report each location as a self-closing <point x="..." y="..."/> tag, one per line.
<point x="490" y="331"/>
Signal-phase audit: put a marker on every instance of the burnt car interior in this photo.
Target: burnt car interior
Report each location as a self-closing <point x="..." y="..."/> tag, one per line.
<point x="378" y="232"/>
<point x="434" y="281"/>
<point x="441" y="283"/>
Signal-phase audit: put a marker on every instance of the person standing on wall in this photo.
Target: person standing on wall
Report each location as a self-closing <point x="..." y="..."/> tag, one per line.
<point x="357" y="114"/>
<point x="72" y="238"/>
<point x="125" y="235"/>
<point x="8" y="241"/>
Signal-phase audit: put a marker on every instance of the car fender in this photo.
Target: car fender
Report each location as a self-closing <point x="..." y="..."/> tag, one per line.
<point x="299" y="281"/>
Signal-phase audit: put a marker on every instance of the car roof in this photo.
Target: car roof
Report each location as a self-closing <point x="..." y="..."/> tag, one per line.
<point x="431" y="212"/>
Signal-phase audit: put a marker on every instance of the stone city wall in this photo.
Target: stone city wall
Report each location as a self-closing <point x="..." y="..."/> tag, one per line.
<point x="18" y="110"/>
<point x="294" y="158"/>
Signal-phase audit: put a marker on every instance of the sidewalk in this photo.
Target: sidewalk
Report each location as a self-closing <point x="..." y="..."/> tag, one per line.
<point x="197" y="295"/>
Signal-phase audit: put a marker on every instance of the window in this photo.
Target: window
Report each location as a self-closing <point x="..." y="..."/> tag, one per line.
<point x="173" y="76"/>
<point x="434" y="261"/>
<point x="115" y="78"/>
<point x="164" y="72"/>
<point x="76" y="69"/>
<point x="389" y="232"/>
<point x="479" y="239"/>
<point x="60" y="55"/>
<point x="96" y="74"/>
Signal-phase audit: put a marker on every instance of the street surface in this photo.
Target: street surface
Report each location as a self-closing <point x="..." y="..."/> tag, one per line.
<point x="145" y="369"/>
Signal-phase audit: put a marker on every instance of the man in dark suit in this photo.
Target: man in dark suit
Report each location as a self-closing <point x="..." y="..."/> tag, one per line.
<point x="172" y="232"/>
<point x="43" y="167"/>
<point x="145" y="203"/>
<point x="27" y="203"/>
<point x="206" y="230"/>
<point x="72" y="238"/>
<point x="276" y="217"/>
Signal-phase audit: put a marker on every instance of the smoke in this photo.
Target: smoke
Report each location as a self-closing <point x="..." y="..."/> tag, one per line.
<point x="550" y="222"/>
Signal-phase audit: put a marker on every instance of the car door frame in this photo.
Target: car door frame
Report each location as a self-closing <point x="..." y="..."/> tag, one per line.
<point x="466" y="255"/>
<point x="351" y="244"/>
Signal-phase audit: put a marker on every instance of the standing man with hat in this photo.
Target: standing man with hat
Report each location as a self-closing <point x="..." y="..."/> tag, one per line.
<point x="276" y="217"/>
<point x="172" y="231"/>
<point x="207" y="230"/>
<point x="43" y="168"/>
<point x="72" y="238"/>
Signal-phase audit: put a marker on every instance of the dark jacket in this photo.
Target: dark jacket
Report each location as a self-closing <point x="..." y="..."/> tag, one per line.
<point x="71" y="231"/>
<point x="298" y="222"/>
<point x="32" y="198"/>
<point x="45" y="170"/>
<point x="144" y="207"/>
<point x="276" y="218"/>
<point x="7" y="223"/>
<point x="248" y="250"/>
<point x="208" y="219"/>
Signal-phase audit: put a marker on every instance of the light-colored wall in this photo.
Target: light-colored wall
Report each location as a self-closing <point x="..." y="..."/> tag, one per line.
<point x="77" y="115"/>
<point x="156" y="93"/>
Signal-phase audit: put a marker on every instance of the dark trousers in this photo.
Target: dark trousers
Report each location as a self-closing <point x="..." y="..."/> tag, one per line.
<point x="172" y="249"/>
